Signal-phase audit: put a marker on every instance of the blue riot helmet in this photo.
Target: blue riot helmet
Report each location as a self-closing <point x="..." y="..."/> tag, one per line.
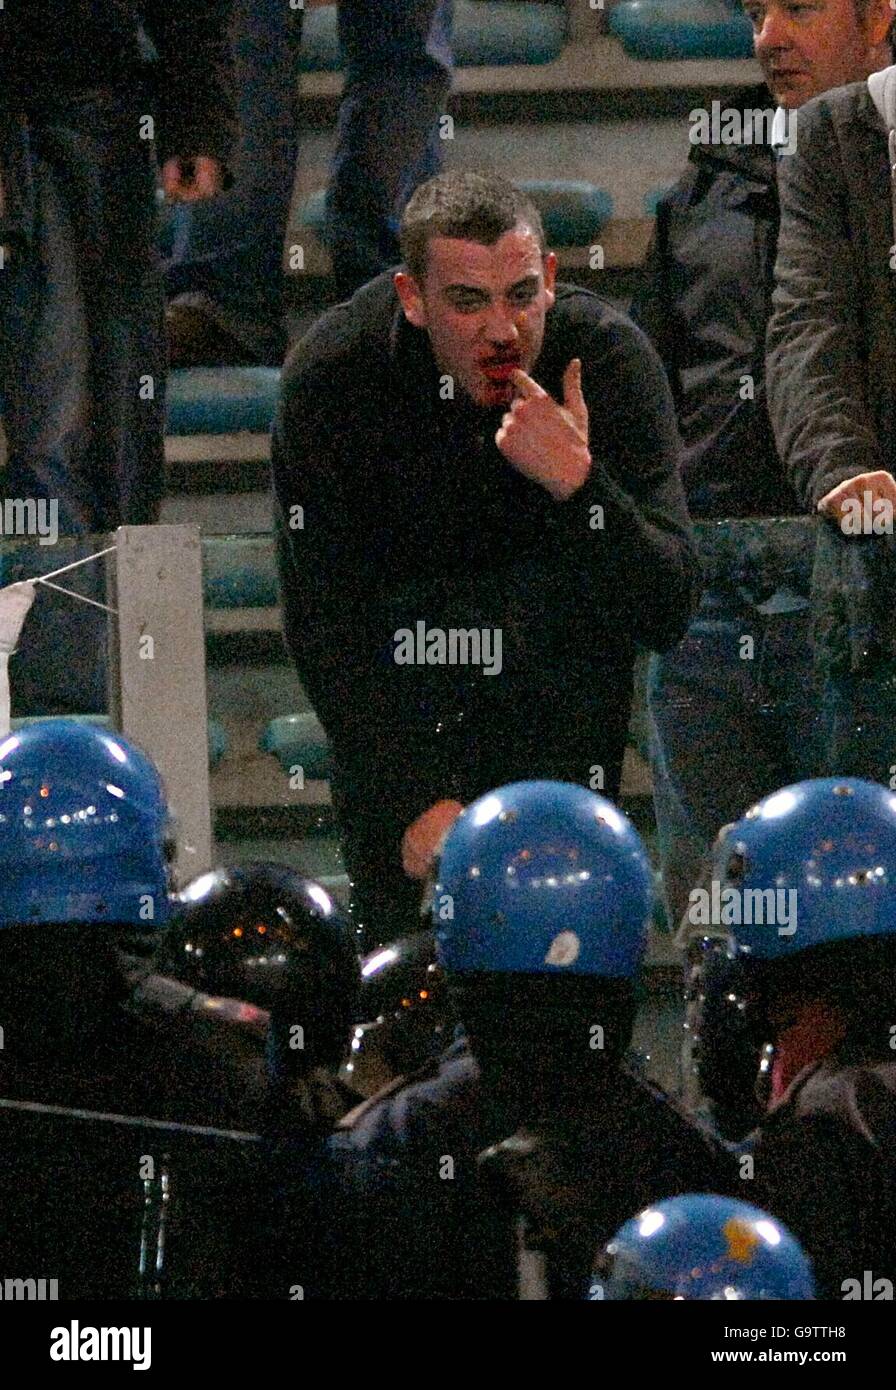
<point x="85" y="833"/>
<point x="810" y="865"/>
<point x="805" y="885"/>
<point x="542" y="878"/>
<point x="702" y="1246"/>
<point x="540" y="908"/>
<point x="265" y="934"/>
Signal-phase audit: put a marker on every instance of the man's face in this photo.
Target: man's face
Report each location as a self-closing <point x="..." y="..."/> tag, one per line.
<point x="484" y="309"/>
<point x="806" y="47"/>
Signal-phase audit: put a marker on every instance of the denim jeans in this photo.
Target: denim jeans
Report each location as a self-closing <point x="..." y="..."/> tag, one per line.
<point x="734" y="709"/>
<point x="398" y="72"/>
<point x="398" y="69"/>
<point x="82" y="359"/>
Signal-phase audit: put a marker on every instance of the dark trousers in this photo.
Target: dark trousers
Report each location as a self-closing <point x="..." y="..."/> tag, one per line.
<point x="82" y="356"/>
<point x="227" y="253"/>
<point x="734" y="708"/>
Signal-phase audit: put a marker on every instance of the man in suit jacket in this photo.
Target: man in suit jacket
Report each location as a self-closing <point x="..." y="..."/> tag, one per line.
<point x="831" y="373"/>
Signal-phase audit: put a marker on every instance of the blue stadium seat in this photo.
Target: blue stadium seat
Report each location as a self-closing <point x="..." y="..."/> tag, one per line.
<point x="238" y="583"/>
<point x="222" y="400"/>
<point x="487" y="33"/>
<point x="573" y="211"/>
<point x="298" y="740"/>
<point x="669" y="29"/>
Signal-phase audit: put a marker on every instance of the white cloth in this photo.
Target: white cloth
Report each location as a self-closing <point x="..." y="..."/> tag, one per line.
<point x="15" y="601"/>
<point x="783" y="136"/>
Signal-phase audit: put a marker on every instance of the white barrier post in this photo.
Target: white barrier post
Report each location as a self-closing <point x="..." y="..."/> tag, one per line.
<point x="157" y="690"/>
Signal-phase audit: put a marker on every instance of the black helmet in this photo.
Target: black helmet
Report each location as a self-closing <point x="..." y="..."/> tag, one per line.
<point x="404" y="1013"/>
<point x="265" y="934"/>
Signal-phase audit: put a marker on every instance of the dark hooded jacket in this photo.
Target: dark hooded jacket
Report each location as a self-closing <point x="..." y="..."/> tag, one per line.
<point x="705" y="304"/>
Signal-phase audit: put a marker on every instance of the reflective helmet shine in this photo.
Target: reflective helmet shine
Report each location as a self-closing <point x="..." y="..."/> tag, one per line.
<point x="702" y="1246"/>
<point x="808" y="866"/>
<point x="265" y="934"/>
<point x="85" y="833"/>
<point x="542" y="878"/>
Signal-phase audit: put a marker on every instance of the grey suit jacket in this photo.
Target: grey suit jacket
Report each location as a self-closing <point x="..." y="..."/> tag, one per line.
<point x="831" y="365"/>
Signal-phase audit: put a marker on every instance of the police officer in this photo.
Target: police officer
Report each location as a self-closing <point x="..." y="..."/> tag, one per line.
<point x="806" y="879"/>
<point x="405" y="1017"/>
<point x="263" y="935"/>
<point x="540" y="911"/>
<point x="129" y="1106"/>
<point x="702" y="1246"/>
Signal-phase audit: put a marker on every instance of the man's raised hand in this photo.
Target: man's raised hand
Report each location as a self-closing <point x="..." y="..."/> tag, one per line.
<point x="546" y="441"/>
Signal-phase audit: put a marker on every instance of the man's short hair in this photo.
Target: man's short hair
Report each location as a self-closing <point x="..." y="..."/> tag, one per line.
<point x="861" y="8"/>
<point x="471" y="207"/>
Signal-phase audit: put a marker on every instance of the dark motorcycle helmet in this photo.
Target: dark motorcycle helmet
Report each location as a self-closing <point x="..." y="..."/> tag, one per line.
<point x="404" y="1010"/>
<point x="263" y="933"/>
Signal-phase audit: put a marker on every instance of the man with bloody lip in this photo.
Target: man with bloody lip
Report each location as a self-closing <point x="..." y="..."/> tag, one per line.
<point x="470" y="446"/>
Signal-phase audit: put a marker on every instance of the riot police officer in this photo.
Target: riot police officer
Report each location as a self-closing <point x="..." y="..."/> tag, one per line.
<point x="130" y="1103"/>
<point x="806" y="884"/>
<point x="540" y="911"/>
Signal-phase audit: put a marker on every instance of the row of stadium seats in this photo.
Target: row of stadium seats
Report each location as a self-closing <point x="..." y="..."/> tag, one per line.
<point x="494" y="33"/>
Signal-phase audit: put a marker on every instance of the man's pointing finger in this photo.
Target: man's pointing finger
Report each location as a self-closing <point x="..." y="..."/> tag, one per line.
<point x="528" y="389"/>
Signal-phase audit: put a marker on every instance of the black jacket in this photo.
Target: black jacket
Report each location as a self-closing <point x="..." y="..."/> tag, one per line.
<point x="410" y="513"/>
<point x="824" y="1165"/>
<point x="705" y="303"/>
<point x="51" y="50"/>
<point x="406" y="1225"/>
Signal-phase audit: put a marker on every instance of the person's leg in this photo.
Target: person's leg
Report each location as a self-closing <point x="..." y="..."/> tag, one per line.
<point x="398" y="76"/>
<point x="712" y="744"/>
<point x="734" y="708"/>
<point x="860" y="726"/>
<point x="384" y="902"/>
<point x="84" y="374"/>
<point x="44" y="351"/>
<point x="227" y="257"/>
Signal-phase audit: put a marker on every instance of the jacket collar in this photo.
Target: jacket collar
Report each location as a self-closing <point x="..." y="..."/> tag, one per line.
<point x="865" y="110"/>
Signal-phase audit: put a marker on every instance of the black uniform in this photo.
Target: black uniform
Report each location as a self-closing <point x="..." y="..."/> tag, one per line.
<point x="415" y="1215"/>
<point x="824" y="1165"/>
<point x="133" y="1164"/>
<point x="411" y="514"/>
